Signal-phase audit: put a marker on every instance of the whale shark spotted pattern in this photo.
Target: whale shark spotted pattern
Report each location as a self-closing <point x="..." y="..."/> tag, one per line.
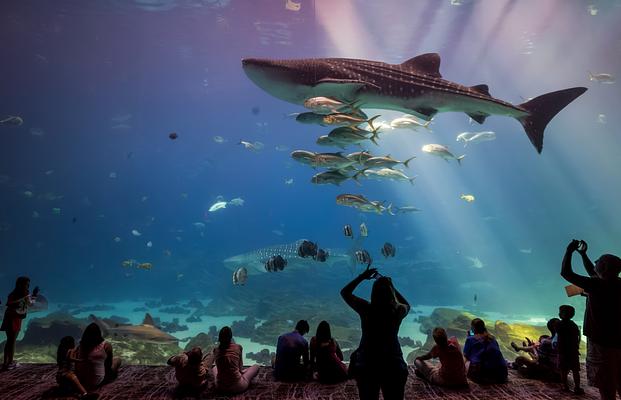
<point x="414" y="86"/>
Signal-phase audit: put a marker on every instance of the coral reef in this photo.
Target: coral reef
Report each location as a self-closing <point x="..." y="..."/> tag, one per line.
<point x="263" y="357"/>
<point x="203" y="340"/>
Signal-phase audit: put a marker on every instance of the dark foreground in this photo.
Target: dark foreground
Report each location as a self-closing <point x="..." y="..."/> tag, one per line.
<point x="37" y="381"/>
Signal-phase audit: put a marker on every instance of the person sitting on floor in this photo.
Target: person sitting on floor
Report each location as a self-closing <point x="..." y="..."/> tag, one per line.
<point x="543" y="356"/>
<point x="291" y="362"/>
<point x="66" y="377"/>
<point x="230" y="376"/>
<point x="326" y="357"/>
<point x="191" y="369"/>
<point x="95" y="363"/>
<point x="487" y="365"/>
<point x="452" y="368"/>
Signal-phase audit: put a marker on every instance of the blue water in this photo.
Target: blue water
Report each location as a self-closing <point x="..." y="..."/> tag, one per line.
<point x="77" y="70"/>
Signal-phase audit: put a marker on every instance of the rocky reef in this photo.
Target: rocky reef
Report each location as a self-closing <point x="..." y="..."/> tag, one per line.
<point x="263" y="357"/>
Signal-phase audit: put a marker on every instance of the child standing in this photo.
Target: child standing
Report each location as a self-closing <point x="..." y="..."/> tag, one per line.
<point x="568" y="345"/>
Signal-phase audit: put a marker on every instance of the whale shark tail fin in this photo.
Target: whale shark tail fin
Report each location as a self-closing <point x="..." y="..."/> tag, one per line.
<point x="542" y="109"/>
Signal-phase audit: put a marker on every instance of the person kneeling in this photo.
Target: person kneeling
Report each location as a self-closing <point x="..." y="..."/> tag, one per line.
<point x="452" y="368"/>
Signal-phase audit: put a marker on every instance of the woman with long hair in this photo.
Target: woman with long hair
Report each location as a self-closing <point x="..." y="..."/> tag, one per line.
<point x="96" y="364"/>
<point x="486" y="362"/>
<point x="378" y="362"/>
<point x="229" y="373"/>
<point x="16" y="310"/>
<point x="326" y="357"/>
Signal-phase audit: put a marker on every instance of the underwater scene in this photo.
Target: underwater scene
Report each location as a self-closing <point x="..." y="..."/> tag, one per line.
<point x="170" y="167"/>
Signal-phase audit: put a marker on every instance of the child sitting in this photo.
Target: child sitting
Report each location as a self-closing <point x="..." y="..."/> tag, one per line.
<point x="66" y="377"/>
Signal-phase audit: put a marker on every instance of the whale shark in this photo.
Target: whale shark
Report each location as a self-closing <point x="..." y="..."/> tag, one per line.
<point x="414" y="86"/>
<point x="254" y="260"/>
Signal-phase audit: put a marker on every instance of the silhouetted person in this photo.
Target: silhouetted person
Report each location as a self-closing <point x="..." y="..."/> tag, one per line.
<point x="568" y="345"/>
<point x="66" y="377"/>
<point x="230" y="376"/>
<point x="16" y="310"/>
<point x="191" y="370"/>
<point x="452" y="369"/>
<point x="543" y="361"/>
<point x="378" y="362"/>
<point x="291" y="362"/>
<point x="602" y="318"/>
<point x="326" y="357"/>
<point x="487" y="365"/>
<point x="95" y="363"/>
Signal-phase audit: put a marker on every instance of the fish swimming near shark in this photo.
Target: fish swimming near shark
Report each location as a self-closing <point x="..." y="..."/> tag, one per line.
<point x="147" y="332"/>
<point x="414" y="87"/>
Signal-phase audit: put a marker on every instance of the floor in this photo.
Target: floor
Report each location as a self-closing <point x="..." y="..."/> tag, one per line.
<point x="38" y="381"/>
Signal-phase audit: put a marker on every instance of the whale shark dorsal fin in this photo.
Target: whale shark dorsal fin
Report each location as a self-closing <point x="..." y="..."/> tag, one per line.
<point x="483" y="89"/>
<point x="428" y="64"/>
<point x="148" y="320"/>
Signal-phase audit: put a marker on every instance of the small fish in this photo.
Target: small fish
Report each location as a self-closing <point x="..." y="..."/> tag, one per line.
<point x="385" y="162"/>
<point x="136" y="233"/>
<point x="167" y="253"/>
<point x="173" y="135"/>
<point x="409" y="122"/>
<point x="384" y="173"/>
<point x="277" y="232"/>
<point x="49" y="172"/>
<point x="240" y="276"/>
<point x="112" y="175"/>
<point x="28" y="194"/>
<point x="251" y="146"/>
<point x="322" y="255"/>
<point x="526" y="251"/>
<point x="307" y="249"/>
<point x="281" y="147"/>
<point x="238" y="201"/>
<point x="347" y="231"/>
<point x="475" y="137"/>
<point x="56" y="211"/>
<point x="11" y="120"/>
<point x="129" y="263"/>
<point x="35" y="214"/>
<point x="37" y="132"/>
<point x="467" y="197"/>
<point x="303" y="156"/>
<point x="275" y="263"/>
<point x="145" y="265"/>
<point x="363" y="257"/>
<point x="217" y="206"/>
<point x="360" y="157"/>
<point x="144" y="198"/>
<point x="364" y="232"/>
<point x="179" y="277"/>
<point x="388" y="250"/>
<point x="442" y="152"/>
<point x="476" y="263"/>
<point x="331" y="161"/>
<point x="334" y="177"/>
<point x="325" y="105"/>
<point x="602" y="78"/>
<point x="407" y="209"/>
<point x="149" y="244"/>
<point x="601" y="118"/>
<point x="117" y="239"/>
<point x="289" y="181"/>
<point x="219" y="139"/>
<point x="199" y="225"/>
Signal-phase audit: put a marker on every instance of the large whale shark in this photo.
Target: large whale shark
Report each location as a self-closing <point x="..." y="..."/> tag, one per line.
<point x="414" y="86"/>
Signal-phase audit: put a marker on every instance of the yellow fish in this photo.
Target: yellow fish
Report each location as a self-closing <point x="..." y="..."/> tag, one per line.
<point x="468" y="197"/>
<point x="147" y="266"/>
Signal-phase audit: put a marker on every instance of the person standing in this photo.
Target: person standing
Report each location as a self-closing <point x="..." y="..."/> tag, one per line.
<point x="16" y="310"/>
<point x="378" y="362"/>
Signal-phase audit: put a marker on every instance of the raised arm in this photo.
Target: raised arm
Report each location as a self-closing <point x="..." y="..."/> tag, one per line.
<point x="347" y="292"/>
<point x="588" y="264"/>
<point x="402" y="303"/>
<point x="567" y="271"/>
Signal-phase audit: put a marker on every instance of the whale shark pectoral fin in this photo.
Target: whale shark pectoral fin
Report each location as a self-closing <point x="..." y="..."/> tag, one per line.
<point x="342" y="87"/>
<point x="478" y="117"/>
<point x="426" y="113"/>
<point x="427" y="64"/>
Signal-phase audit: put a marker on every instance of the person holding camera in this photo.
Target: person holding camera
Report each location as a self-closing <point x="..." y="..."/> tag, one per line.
<point x="378" y="362"/>
<point x="16" y="310"/>
<point x="602" y="318"/>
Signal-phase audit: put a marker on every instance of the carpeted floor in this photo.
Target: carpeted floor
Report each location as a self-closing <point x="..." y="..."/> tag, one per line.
<point x="38" y="381"/>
